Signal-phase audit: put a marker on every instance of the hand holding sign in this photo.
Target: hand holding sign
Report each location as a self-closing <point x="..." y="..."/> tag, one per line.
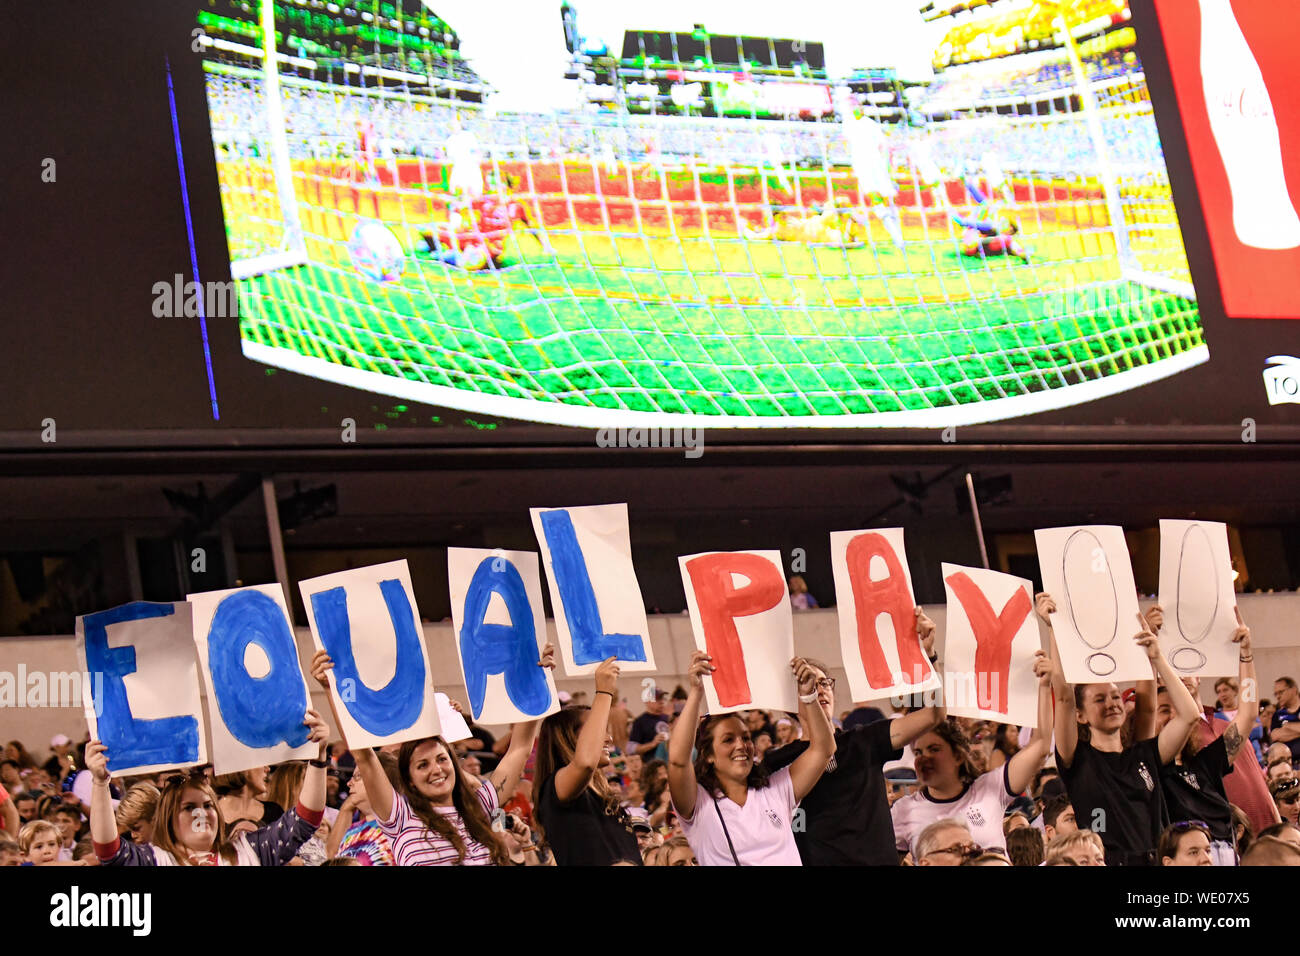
<point x="1241" y="636"/>
<point x="701" y="667"/>
<point x="97" y="761"/>
<point x="1147" y="640"/>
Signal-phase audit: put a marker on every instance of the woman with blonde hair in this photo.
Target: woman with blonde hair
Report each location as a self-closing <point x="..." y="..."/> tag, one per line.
<point x="135" y="813"/>
<point x="189" y="829"/>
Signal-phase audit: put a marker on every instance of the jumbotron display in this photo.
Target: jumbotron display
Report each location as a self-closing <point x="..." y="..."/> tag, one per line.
<point x="784" y="215"/>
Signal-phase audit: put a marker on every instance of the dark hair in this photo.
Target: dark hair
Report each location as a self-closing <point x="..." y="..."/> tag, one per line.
<point x="706" y="773"/>
<point x="557" y="742"/>
<point x="1276" y="829"/>
<point x="1242" y="822"/>
<point x="1173" y="835"/>
<point x="1289" y="681"/>
<point x="1000" y="740"/>
<point x="1053" y="809"/>
<point x="1025" y="846"/>
<point x="462" y="797"/>
<point x="651" y="787"/>
<point x="679" y="692"/>
<point x="957" y="741"/>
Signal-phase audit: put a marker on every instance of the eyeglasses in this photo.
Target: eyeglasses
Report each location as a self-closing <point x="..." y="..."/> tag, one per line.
<point x="963" y="850"/>
<point x="826" y="683"/>
<point x="1286" y="786"/>
<point x="1183" y="825"/>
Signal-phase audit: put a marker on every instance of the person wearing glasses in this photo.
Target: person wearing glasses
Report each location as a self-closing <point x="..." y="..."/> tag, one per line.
<point x="1113" y="787"/>
<point x="733" y="811"/>
<point x="188" y="827"/>
<point x="846" y="814"/>
<point x="953" y="788"/>
<point x="1285" y="791"/>
<point x="1193" y="782"/>
<point x="1186" y="844"/>
<point x="946" y="842"/>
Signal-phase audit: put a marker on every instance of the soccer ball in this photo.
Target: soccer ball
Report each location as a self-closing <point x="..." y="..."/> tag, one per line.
<point x="376" y="253"/>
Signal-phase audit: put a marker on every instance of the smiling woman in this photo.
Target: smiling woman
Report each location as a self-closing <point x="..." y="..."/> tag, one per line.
<point x="750" y="821"/>
<point x="441" y="815"/>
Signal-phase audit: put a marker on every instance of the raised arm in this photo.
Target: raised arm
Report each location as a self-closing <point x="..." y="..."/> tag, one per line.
<point x="109" y="847"/>
<point x="681" y="772"/>
<point x="809" y="766"/>
<point x="103" y="822"/>
<point x="312" y="797"/>
<point x="907" y="728"/>
<point x="10" y="814"/>
<point x="372" y="773"/>
<point x="1066" y="722"/>
<point x="573" y="777"/>
<point x="1146" y="691"/>
<point x="1237" y="735"/>
<point x="1028" y="760"/>
<point x="1186" y="710"/>
<point x="505" y="776"/>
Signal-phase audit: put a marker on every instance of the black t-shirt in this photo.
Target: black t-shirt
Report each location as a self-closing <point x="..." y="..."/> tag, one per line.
<point x="644" y="729"/>
<point x="1194" y="790"/>
<point x="581" y="833"/>
<point x="846" y="815"/>
<point x="1125" y="787"/>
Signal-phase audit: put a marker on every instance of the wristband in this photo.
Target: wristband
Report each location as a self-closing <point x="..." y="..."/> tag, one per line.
<point x="319" y="763"/>
<point x="611" y="695"/>
<point x="810" y="699"/>
<point x="1247" y="660"/>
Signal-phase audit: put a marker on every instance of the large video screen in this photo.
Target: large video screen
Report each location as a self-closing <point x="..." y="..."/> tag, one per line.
<point x="703" y="213"/>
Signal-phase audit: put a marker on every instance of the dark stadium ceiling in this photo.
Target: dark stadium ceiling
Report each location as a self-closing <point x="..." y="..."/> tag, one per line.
<point x="737" y="503"/>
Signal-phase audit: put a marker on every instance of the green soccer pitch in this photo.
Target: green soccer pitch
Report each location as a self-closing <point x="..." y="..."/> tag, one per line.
<point x="732" y="331"/>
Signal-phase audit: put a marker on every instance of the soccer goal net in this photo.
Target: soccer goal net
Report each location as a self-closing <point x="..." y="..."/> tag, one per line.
<point x="995" y="243"/>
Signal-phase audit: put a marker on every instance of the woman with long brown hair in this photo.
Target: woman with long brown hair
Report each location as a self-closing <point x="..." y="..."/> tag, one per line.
<point x="750" y="821"/>
<point x="440" y="815"/>
<point x="188" y="826"/>
<point x="580" y="813"/>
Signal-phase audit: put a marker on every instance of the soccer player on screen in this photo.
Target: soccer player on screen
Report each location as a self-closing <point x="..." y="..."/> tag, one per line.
<point x="474" y="238"/>
<point x="989" y="231"/>
<point x="869" y="157"/>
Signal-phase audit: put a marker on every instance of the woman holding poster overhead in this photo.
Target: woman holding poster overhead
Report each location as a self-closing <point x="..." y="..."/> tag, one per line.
<point x="584" y="823"/>
<point x="441" y="815"/>
<point x="1193" y="781"/>
<point x="951" y="787"/>
<point x="188" y="826"/>
<point x="1115" y="790"/>
<point x="732" y="811"/>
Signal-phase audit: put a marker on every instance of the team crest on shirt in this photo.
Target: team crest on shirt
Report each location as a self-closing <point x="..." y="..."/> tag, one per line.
<point x="1190" y="777"/>
<point x="975" y="817"/>
<point x="1145" y="774"/>
<point x="774" y="817"/>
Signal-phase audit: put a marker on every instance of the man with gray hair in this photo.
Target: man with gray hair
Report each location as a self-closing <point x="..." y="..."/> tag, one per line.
<point x="945" y="843"/>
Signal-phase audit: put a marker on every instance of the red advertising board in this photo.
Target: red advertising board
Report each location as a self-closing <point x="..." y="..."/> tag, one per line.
<point x="1237" y="80"/>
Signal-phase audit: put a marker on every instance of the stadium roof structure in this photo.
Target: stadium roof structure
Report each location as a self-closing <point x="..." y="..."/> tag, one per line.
<point x="378" y="40"/>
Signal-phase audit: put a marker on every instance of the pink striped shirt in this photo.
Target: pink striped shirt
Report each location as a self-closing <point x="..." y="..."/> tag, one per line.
<point x="414" y="844"/>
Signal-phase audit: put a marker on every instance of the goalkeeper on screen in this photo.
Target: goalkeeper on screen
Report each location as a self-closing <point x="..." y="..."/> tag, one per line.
<point x="988" y="231"/>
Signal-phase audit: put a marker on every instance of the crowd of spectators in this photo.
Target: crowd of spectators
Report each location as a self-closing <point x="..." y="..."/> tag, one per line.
<point x="1149" y="776"/>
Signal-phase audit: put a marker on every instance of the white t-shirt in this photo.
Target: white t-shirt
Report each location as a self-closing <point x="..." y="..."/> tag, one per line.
<point x="981" y="806"/>
<point x="760" y="830"/>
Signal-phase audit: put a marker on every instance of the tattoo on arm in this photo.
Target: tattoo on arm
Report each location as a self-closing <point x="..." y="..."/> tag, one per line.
<point x="1232" y="740"/>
